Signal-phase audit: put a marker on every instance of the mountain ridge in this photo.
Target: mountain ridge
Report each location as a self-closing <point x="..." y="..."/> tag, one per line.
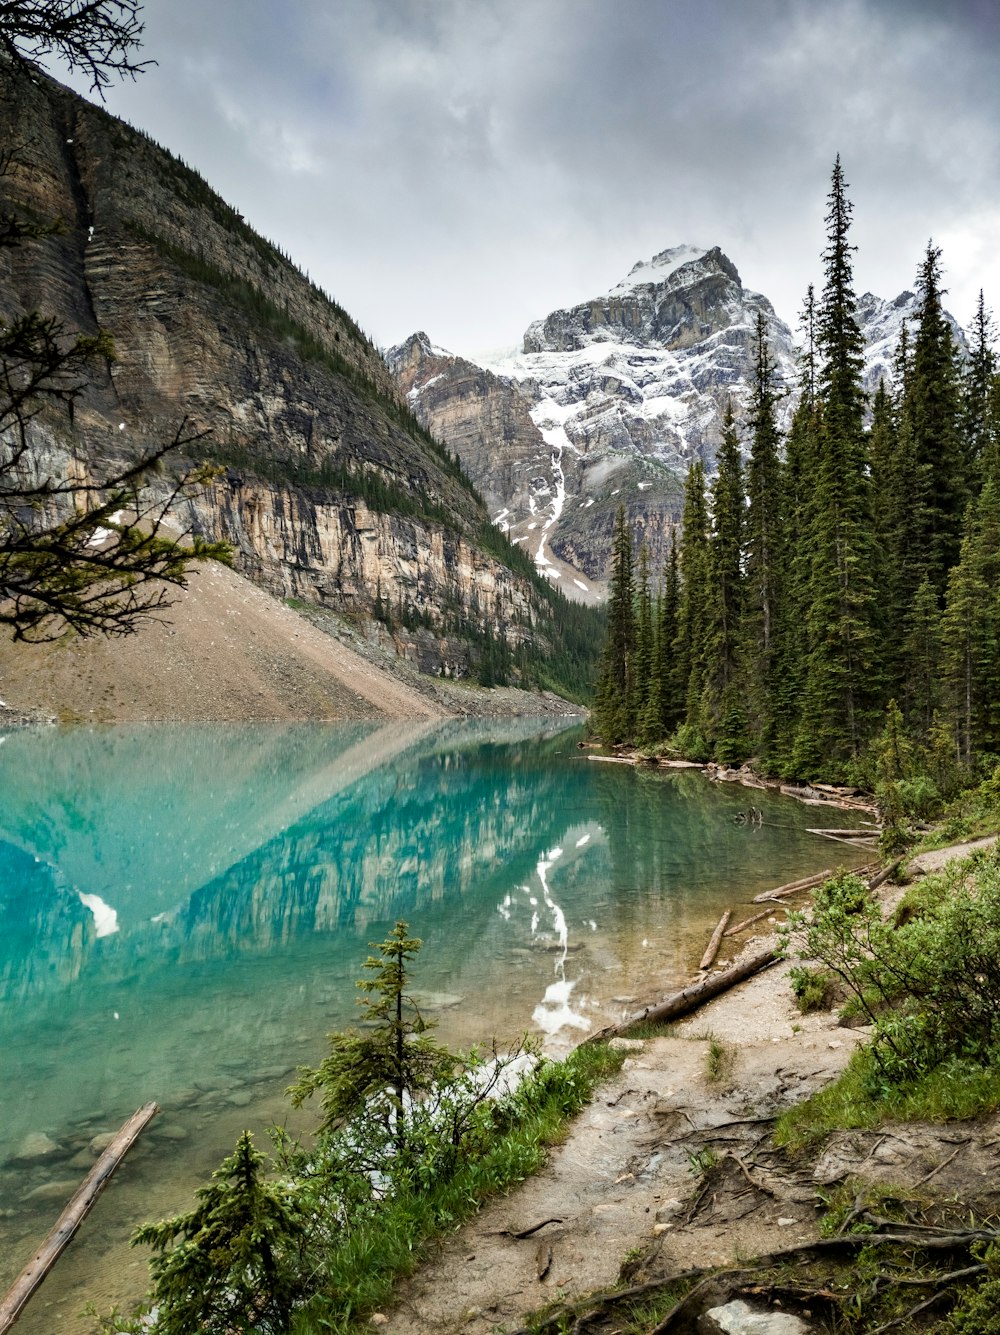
<point x="609" y="400"/>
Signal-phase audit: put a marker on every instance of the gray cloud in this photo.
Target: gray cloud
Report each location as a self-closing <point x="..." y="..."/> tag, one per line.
<point x="466" y="165"/>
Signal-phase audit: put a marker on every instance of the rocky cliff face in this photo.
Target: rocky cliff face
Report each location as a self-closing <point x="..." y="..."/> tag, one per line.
<point x="331" y="491"/>
<point x="607" y="404"/>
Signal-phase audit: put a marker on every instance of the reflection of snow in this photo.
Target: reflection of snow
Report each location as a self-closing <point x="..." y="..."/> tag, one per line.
<point x="553" y="1012"/>
<point x="105" y="917"/>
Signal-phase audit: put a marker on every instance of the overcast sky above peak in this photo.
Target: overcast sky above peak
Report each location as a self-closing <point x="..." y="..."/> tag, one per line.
<point x="465" y="166"/>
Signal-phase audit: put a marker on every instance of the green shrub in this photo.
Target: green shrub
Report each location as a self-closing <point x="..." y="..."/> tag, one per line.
<point x="814" y="989"/>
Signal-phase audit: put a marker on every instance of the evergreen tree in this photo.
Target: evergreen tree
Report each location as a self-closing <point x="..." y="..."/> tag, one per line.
<point x="980" y="425"/>
<point x="645" y="644"/>
<point x="766" y="538"/>
<point x="920" y="667"/>
<point x="233" y="1263"/>
<point x="971" y="631"/>
<point x="934" y="407"/>
<point x="837" y="710"/>
<point x="393" y="1055"/>
<point x="613" y="715"/>
<point x="725" y="691"/>
<point x="798" y="475"/>
<point x="669" y="665"/>
<point x="691" y="645"/>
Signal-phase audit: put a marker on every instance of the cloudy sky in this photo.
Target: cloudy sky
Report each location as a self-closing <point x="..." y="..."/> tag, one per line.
<point x="465" y="166"/>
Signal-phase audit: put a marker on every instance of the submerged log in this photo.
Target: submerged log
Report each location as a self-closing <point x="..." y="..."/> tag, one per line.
<point x="690" y="998"/>
<point x="712" y="949"/>
<point x="747" y="922"/>
<point x="806" y="883"/>
<point x="872" y="832"/>
<point x="72" y="1217"/>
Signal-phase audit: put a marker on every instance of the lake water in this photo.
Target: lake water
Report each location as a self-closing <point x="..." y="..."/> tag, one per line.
<point x="183" y="913"/>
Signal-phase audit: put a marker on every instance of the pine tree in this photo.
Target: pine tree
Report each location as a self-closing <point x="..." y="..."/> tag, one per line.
<point x="234" y="1262"/>
<point x="645" y="643"/>
<point x="725" y="691"/>
<point x="766" y="538"/>
<point x="666" y="640"/>
<point x="837" y="709"/>
<point x="919" y="673"/>
<point x="693" y="614"/>
<point x="933" y="405"/>
<point x="613" y="715"/>
<point x="980" y="426"/>
<point x="801" y="464"/>
<point x="393" y="1055"/>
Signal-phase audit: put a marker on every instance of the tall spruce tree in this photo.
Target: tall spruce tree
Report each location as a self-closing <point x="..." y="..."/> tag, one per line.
<point x="837" y="708"/>
<point x="971" y="631"/>
<point x="669" y="665"/>
<point x="797" y="487"/>
<point x="724" y="693"/>
<point x="613" y="717"/>
<point x="693" y="614"/>
<point x="766" y="553"/>
<point x="934" y="408"/>
<point x="980" y="423"/>
<point x="645" y="640"/>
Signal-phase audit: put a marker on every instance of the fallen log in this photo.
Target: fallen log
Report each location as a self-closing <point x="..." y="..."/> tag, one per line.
<point x="72" y="1217"/>
<point x="884" y="874"/>
<point x="747" y="922"/>
<point x="689" y="998"/>
<point x="858" y="841"/>
<point x="806" y="883"/>
<point x="860" y="833"/>
<point x="712" y="949"/>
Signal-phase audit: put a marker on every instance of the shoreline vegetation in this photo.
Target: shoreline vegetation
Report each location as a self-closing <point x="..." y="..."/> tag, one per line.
<point x="836" y="962"/>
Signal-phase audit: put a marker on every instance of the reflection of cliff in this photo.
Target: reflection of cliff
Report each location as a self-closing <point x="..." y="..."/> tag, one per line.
<point x="394" y="845"/>
<point x="399" y="828"/>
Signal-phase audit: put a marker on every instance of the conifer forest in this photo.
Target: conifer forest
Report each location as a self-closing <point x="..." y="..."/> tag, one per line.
<point x="831" y="606"/>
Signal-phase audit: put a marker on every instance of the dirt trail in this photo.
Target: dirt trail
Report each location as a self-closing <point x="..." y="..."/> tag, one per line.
<point x="670" y="1169"/>
<point x="619" y="1184"/>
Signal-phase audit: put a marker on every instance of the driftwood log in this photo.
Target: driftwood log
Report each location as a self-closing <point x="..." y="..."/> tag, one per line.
<point x="72" y="1217"/>
<point x="806" y="883"/>
<point x="690" y="998"/>
<point x="712" y="949"/>
<point x="747" y="922"/>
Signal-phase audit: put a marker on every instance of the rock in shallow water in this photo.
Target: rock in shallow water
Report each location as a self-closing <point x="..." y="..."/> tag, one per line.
<point x="35" y="1145"/>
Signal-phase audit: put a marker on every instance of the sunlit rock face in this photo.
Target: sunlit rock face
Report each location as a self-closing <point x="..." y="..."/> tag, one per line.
<point x="215" y="329"/>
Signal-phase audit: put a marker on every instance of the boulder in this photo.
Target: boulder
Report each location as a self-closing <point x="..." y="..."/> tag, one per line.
<point x="738" y="1318"/>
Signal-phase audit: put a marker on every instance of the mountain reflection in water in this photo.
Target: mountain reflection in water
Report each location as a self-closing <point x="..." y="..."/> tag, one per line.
<point x="178" y="901"/>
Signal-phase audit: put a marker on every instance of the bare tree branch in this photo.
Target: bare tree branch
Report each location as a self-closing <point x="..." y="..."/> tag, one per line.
<point x="98" y="37"/>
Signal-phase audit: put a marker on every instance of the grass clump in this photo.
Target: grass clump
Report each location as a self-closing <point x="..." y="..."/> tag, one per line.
<point x="718" y="1060"/>
<point x="814" y="989"/>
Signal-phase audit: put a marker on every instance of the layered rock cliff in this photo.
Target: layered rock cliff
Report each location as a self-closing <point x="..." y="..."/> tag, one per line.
<point x="331" y="492"/>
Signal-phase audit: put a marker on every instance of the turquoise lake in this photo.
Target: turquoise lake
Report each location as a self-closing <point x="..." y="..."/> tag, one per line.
<point x="184" y="910"/>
